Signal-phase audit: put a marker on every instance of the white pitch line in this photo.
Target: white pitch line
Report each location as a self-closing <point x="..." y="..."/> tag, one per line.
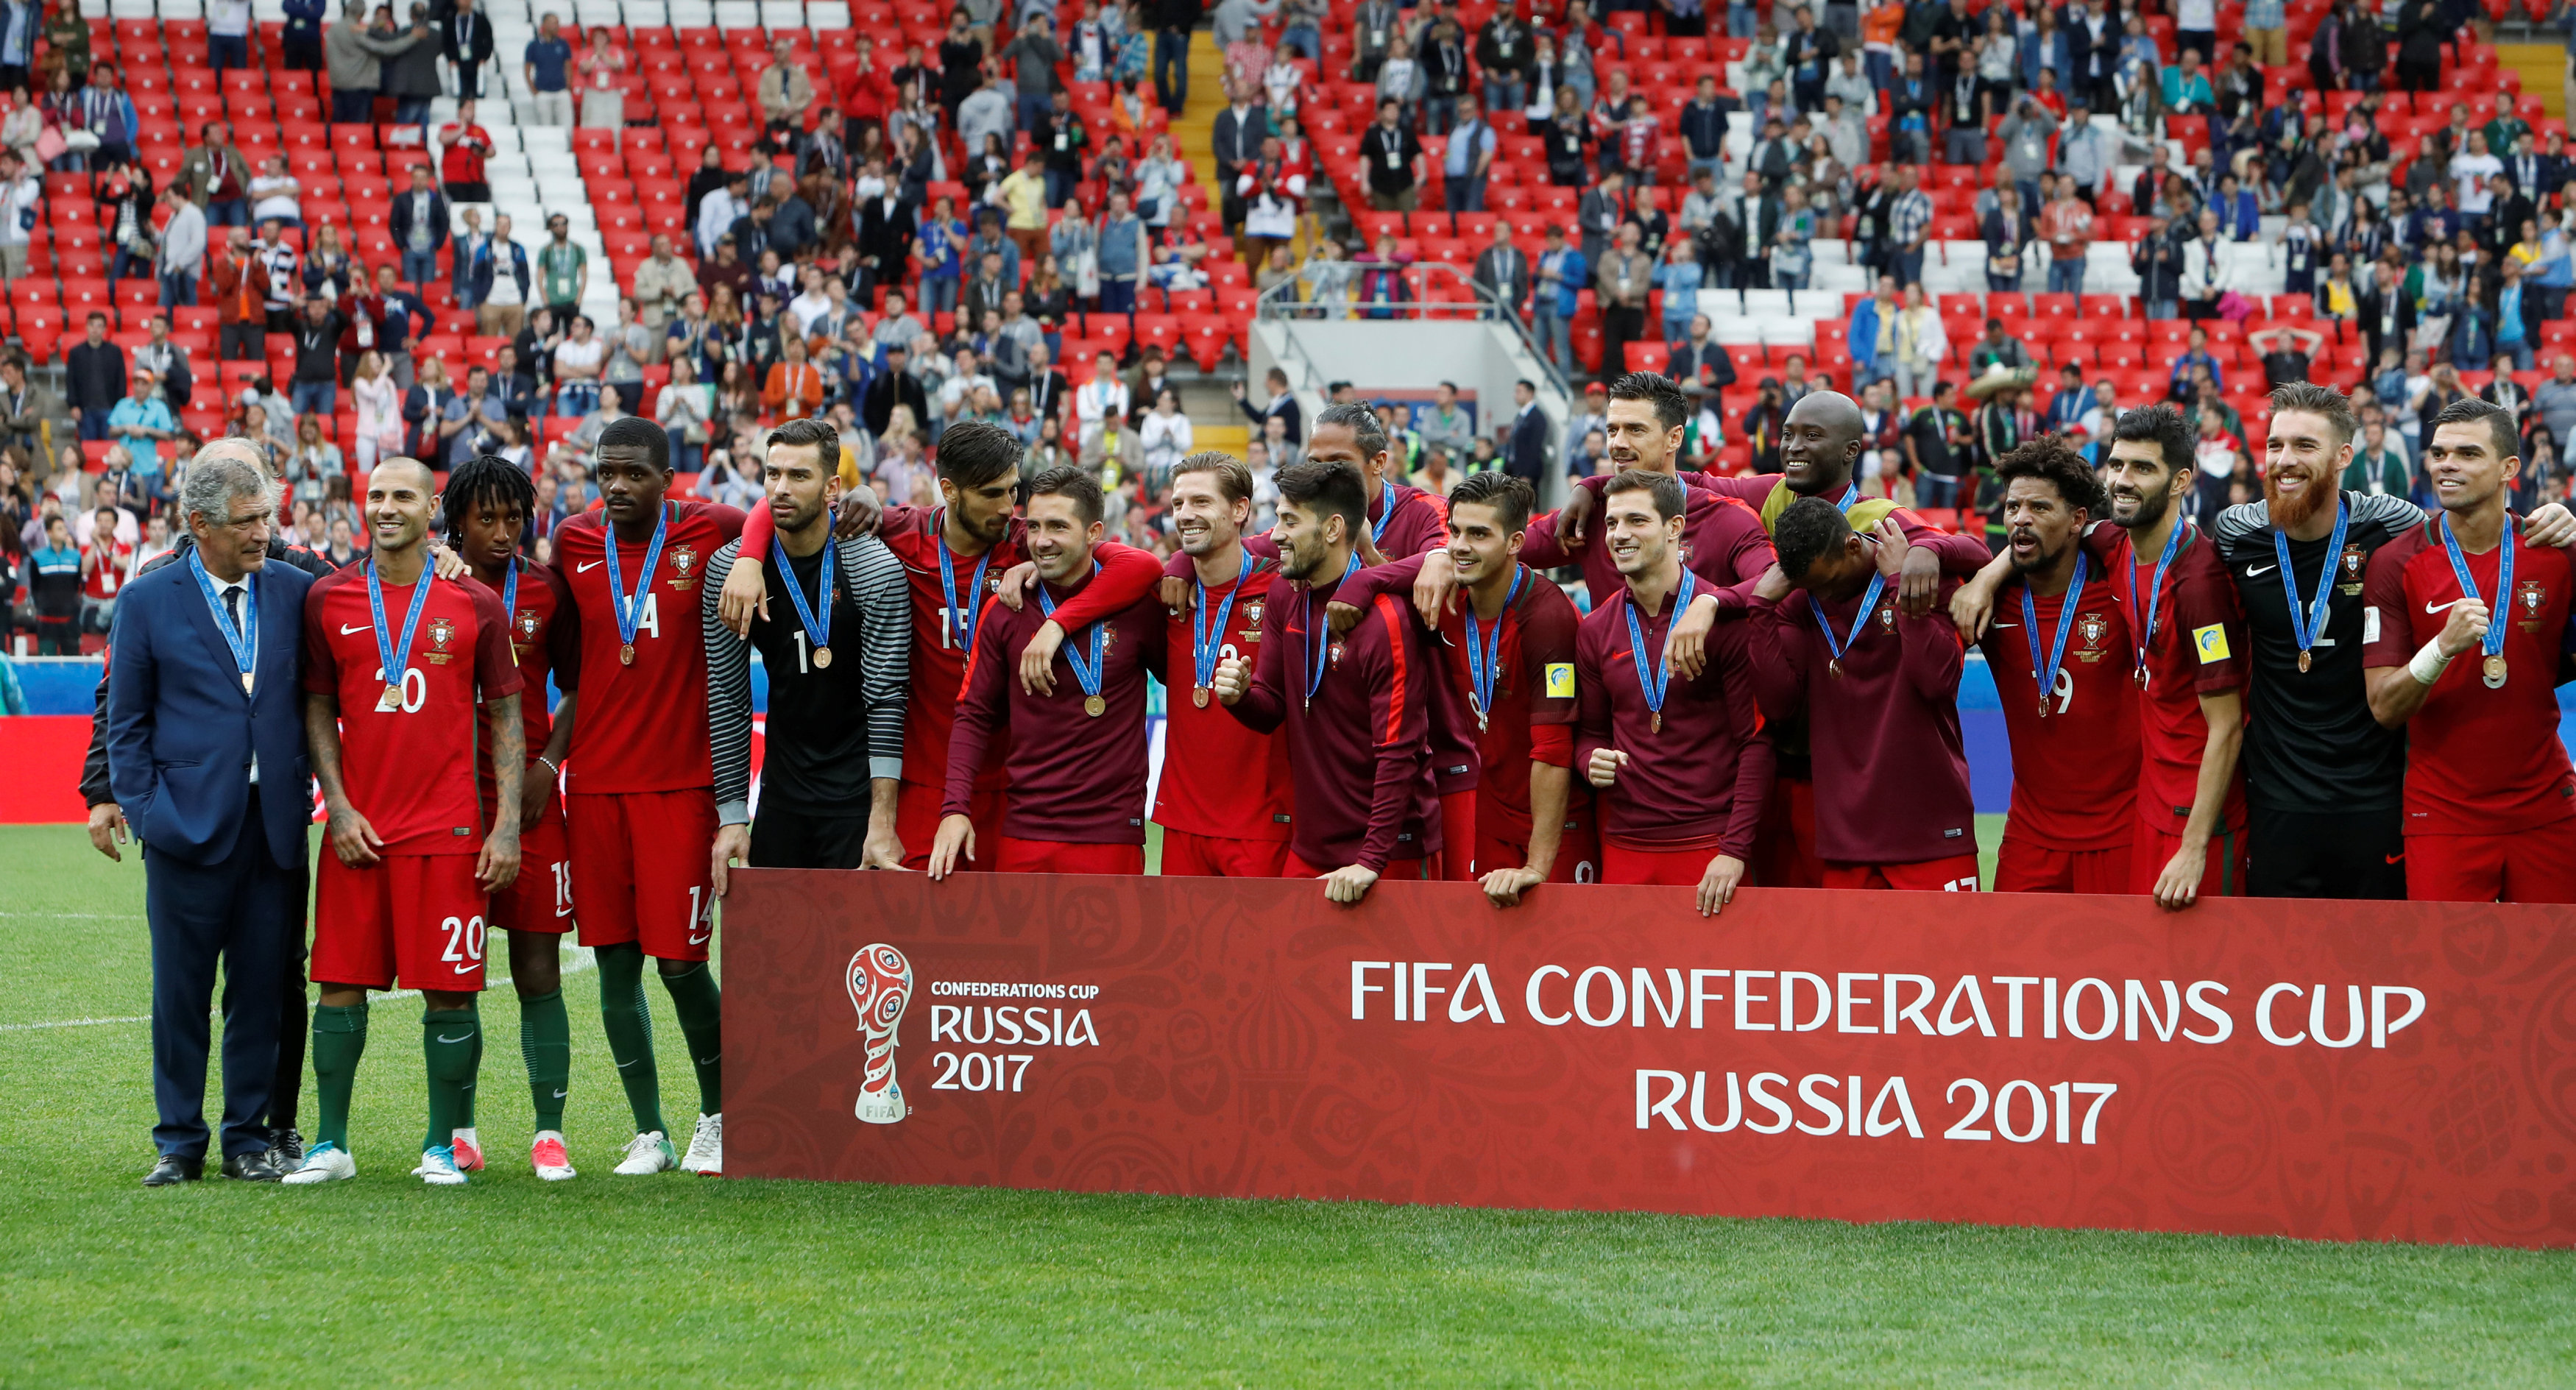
<point x="71" y="916"/>
<point x="583" y="959"/>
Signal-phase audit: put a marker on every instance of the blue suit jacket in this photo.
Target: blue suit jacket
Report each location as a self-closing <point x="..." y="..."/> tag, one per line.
<point x="180" y="732"/>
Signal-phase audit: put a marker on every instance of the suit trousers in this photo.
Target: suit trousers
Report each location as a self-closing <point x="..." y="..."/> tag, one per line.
<point x="233" y="912"/>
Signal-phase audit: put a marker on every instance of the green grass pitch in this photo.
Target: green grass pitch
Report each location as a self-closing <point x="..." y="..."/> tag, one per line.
<point x="677" y="1279"/>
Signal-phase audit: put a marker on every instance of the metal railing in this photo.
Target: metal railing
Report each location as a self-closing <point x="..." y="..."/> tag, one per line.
<point x="1280" y="302"/>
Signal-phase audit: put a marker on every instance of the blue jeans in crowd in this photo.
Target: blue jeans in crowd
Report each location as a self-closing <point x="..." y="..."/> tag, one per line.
<point x="2066" y="277"/>
<point x="938" y="296"/>
<point x="1740" y="23"/>
<point x="1172" y="69"/>
<point x="685" y="456"/>
<point x="2519" y="350"/>
<point x="1907" y="266"/>
<point x="228" y="212"/>
<point x="1463" y="195"/>
<point x="178" y="290"/>
<point x="227" y="51"/>
<point x="1504" y="96"/>
<point x="575" y="399"/>
<point x="419" y="267"/>
<point x="1555" y="340"/>
<point x="1301" y="38"/>
<point x="1934" y="490"/>
<point x="313" y="397"/>
<point x="1034" y="109"/>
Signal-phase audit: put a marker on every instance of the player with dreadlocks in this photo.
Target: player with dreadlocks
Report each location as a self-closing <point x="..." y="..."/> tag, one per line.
<point x="488" y="503"/>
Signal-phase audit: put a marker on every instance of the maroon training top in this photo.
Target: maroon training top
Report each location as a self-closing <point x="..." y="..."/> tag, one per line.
<point x="1891" y="774"/>
<point x="1722" y="541"/>
<point x="1074" y="779"/>
<point x="1700" y="782"/>
<point x="1372" y="709"/>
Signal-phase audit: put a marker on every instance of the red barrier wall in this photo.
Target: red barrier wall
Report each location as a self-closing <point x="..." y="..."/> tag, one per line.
<point x="2080" y="1062"/>
<point x="40" y="761"/>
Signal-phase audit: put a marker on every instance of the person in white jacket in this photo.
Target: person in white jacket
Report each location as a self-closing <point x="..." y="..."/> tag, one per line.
<point x="2208" y="269"/>
<point x="1921" y="345"/>
<point x="1166" y="437"/>
<point x="1102" y="402"/>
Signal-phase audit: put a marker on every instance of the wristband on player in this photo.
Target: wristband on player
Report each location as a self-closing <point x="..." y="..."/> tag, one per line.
<point x="2429" y="663"/>
<point x="550" y="764"/>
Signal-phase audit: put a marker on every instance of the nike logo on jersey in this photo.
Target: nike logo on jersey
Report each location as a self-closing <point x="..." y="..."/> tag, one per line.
<point x="457" y="1039"/>
<point x="561" y="1094"/>
<point x="2253" y="570"/>
<point x="700" y="938"/>
<point x="2007" y="624"/>
<point x="345" y="629"/>
<point x="710" y="1061"/>
<point x="2438" y="607"/>
<point x="585" y="569"/>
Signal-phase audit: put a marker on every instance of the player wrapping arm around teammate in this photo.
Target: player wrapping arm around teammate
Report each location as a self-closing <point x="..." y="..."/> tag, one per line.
<point x="1348" y="701"/>
<point x="1075" y="797"/>
<point x="639" y="798"/>
<point x="487" y="503"/>
<point x="1681" y="762"/>
<point x="1879" y="692"/>
<point x="1223" y="800"/>
<point x="838" y="654"/>
<point x="2466" y="643"/>
<point x="396" y="664"/>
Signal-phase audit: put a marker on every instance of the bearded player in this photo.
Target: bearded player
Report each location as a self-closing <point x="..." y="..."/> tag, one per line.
<point x="2465" y="634"/>
<point x="396" y="663"/>
<point x="955" y="556"/>
<point x="1879" y="691"/>
<point x="1075" y="802"/>
<point x="1401" y="521"/>
<point x="487" y="503"/>
<point x="639" y="786"/>
<point x="1681" y="764"/>
<point x="1509" y="644"/>
<point x="2064" y="667"/>
<point x="1223" y="798"/>
<point x="1348" y="701"/>
<point x="838" y="656"/>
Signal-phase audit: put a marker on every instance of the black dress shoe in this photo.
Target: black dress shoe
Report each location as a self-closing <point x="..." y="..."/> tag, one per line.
<point x="251" y="1167"/>
<point x="174" y="1169"/>
<point x="285" y="1150"/>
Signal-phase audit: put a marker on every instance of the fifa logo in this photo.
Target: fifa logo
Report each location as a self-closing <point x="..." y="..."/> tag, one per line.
<point x="880" y="985"/>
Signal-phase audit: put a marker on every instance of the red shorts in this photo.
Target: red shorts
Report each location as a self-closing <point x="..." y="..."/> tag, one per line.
<point x="540" y="898"/>
<point x="1956" y="874"/>
<point x="916" y="823"/>
<point x="2524" y="866"/>
<point x="419" y="917"/>
<point x="1578" y="855"/>
<point x="1204" y="856"/>
<point x="1672" y="868"/>
<point x="1016" y="856"/>
<point x="2223" y="876"/>
<point x="2023" y="867"/>
<point x="1458" y="836"/>
<point x="1784" y="848"/>
<point x="639" y="870"/>
<point x="1395" y="868"/>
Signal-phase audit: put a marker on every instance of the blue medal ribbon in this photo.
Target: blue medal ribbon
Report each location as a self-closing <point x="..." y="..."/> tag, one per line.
<point x="1868" y="605"/>
<point x="629" y="608"/>
<point x="1087" y="676"/>
<point x="962" y="619"/>
<point x="816" y="616"/>
<point x="1850" y="495"/>
<point x="2144" y="617"/>
<point x="510" y="607"/>
<point x="2491" y="645"/>
<point x="1316" y="651"/>
<point x="1207" y="636"/>
<point x="1386" y="502"/>
<point x="244" y="640"/>
<point x="2308" y="621"/>
<point x="1485" y="656"/>
<point x="1653" y="683"/>
<point x="394" y="657"/>
<point x="2044" y="669"/>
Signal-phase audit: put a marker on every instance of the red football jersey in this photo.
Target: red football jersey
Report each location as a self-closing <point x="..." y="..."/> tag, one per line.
<point x="2198" y="647"/>
<point x="104" y="580"/>
<point x="1220" y="778"/>
<point x="401" y="766"/>
<point x="2074" y="771"/>
<point x="641" y="728"/>
<point x="2478" y="761"/>
<point x="545" y="636"/>
<point x="1533" y="686"/>
<point x="940" y="632"/>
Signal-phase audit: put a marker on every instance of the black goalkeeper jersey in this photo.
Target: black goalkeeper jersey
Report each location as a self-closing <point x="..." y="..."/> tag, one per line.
<point x="2311" y="743"/>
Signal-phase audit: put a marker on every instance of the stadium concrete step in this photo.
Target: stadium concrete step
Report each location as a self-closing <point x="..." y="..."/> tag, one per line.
<point x="2544" y="72"/>
<point x="1194" y="129"/>
<point x="1228" y="438"/>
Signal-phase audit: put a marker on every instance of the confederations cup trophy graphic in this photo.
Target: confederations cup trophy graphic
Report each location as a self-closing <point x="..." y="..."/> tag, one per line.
<point x="880" y="985"/>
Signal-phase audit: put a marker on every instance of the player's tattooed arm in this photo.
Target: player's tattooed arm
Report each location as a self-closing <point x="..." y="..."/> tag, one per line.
<point x="498" y="866"/>
<point x="352" y="838"/>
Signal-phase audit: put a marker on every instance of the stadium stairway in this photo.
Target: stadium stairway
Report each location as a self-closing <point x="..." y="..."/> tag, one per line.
<point x="2544" y="72"/>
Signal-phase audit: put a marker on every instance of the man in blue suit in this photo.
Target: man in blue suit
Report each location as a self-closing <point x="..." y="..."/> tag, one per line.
<point x="205" y="752"/>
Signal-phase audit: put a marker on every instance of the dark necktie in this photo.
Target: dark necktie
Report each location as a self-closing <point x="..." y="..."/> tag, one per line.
<point x="232" y="605"/>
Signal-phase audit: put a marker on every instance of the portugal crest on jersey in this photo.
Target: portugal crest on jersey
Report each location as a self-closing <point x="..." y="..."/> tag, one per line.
<point x="2529" y="595"/>
<point x="684" y="566"/>
<point x="2092" y="628"/>
<point x="2353" y="561"/>
<point x="1333" y="653"/>
<point x="528" y="624"/>
<point x="1887" y="617"/>
<point x="441" y="632"/>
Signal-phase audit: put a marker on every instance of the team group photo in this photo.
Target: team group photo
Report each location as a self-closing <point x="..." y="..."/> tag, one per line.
<point x="1284" y="681"/>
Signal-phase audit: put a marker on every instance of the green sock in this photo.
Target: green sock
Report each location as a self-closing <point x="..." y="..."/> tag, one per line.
<point x="339" y="1040"/>
<point x="701" y="1008"/>
<point x="545" y="1044"/>
<point x="628" y="1021"/>
<point x="450" y="1039"/>
<point x="475" y="1074"/>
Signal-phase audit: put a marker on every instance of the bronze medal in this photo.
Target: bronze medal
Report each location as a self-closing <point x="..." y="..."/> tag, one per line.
<point x="2142" y="677"/>
<point x="1655" y="722"/>
<point x="1199" y="696"/>
<point x="1095" y="706"/>
<point x="626" y="655"/>
<point x="2495" y="671"/>
<point x="391" y="700"/>
<point x="2303" y="663"/>
<point x="822" y="658"/>
<point x="1834" y="668"/>
<point x="2043" y="706"/>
